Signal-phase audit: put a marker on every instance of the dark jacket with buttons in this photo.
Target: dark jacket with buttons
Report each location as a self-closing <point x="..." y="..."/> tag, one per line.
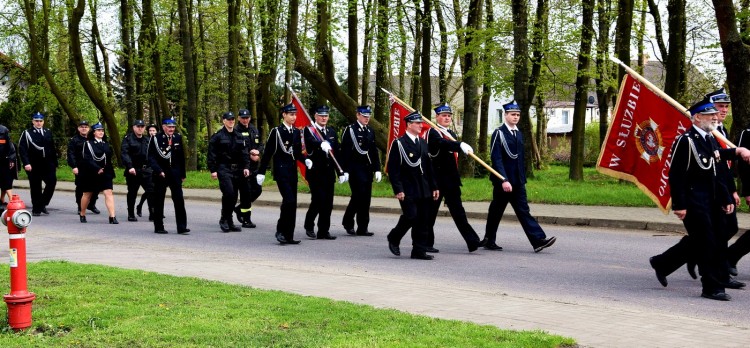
<point x="359" y="166"/>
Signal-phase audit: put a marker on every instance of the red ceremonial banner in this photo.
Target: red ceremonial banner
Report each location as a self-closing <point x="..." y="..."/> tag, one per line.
<point x="639" y="141"/>
<point x="397" y="126"/>
<point x="302" y="121"/>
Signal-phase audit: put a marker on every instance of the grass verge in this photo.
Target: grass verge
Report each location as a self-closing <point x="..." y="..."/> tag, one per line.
<point x="97" y="306"/>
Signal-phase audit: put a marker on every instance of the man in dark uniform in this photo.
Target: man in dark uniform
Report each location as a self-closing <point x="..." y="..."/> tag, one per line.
<point x="359" y="158"/>
<point x="75" y="156"/>
<point x="701" y="200"/>
<point x="167" y="160"/>
<point x="413" y="182"/>
<point x="444" y="154"/>
<point x="137" y="171"/>
<point x="284" y="146"/>
<point x="36" y="148"/>
<point x="319" y="143"/>
<point x="252" y="191"/>
<point x="229" y="162"/>
<point x="508" y="159"/>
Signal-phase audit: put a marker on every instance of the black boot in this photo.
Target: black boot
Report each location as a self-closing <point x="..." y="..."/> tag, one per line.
<point x="113" y="220"/>
<point x="150" y="214"/>
<point x="131" y="216"/>
<point x="246" y="222"/>
<point x="240" y="215"/>
<point x="232" y="227"/>
<point x="139" y="210"/>
<point x="224" y="225"/>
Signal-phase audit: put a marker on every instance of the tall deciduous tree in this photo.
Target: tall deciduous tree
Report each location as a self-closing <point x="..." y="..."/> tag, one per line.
<point x="604" y="87"/>
<point x="233" y="13"/>
<point x="126" y="58"/>
<point x="623" y="33"/>
<point x="581" y="95"/>
<point x="191" y="88"/>
<point x="471" y="82"/>
<point x="736" y="60"/>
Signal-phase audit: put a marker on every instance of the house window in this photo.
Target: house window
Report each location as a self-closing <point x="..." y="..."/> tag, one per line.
<point x="565" y="117"/>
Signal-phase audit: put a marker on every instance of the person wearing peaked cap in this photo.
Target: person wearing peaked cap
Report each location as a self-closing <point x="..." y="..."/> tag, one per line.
<point x="250" y="192"/>
<point x="701" y="200"/>
<point x="97" y="172"/>
<point x="360" y="159"/>
<point x="506" y="151"/>
<point x="444" y="154"/>
<point x="413" y="182"/>
<point x="284" y="146"/>
<point x="8" y="169"/>
<point x="75" y="158"/>
<point x="151" y="131"/>
<point x="138" y="173"/>
<point x="166" y="157"/>
<point x="37" y="151"/>
<point x="322" y="176"/>
<point x="228" y="162"/>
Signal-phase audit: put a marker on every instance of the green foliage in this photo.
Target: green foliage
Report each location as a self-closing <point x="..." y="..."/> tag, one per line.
<point x="98" y="306"/>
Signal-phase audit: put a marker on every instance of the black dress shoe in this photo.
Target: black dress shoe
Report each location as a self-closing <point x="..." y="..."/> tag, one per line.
<point x="161" y="231"/>
<point x="44" y="210"/>
<point x="224" y="225"/>
<point x="81" y="217"/>
<point x="734" y="284"/>
<point x="473" y="247"/>
<point x="660" y="277"/>
<point x="431" y="250"/>
<point x="718" y="295"/>
<point x="326" y="235"/>
<point x="310" y="233"/>
<point x="94" y="210"/>
<point x="493" y="246"/>
<point x="482" y="242"/>
<point x="184" y="231"/>
<point x="421" y="256"/>
<point x="395" y="250"/>
<point x="280" y="237"/>
<point x="732" y="270"/>
<point x="691" y="269"/>
<point x="36" y="213"/>
<point x="132" y="218"/>
<point x="366" y="234"/>
<point x="350" y="231"/>
<point x="113" y="220"/>
<point x="545" y="243"/>
<point x="292" y="241"/>
<point x="238" y="212"/>
<point x="139" y="210"/>
<point x="233" y="228"/>
<point x="248" y="224"/>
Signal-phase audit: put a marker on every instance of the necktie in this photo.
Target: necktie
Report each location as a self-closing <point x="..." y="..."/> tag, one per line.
<point x="514" y="133"/>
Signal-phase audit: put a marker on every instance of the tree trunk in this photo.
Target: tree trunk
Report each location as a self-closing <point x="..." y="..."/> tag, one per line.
<point x="486" y="90"/>
<point x="204" y="96"/>
<point x="126" y="59"/>
<point x="581" y="96"/>
<point x="471" y="86"/>
<point x="602" y="67"/>
<point x="381" y="111"/>
<point x="425" y="70"/>
<point x="675" y="82"/>
<point x="736" y="61"/>
<point x="403" y="41"/>
<point x="416" y="77"/>
<point x="352" y="79"/>
<point x="623" y="32"/>
<point x="107" y="81"/>
<point x="191" y="88"/>
<point x="233" y="12"/>
<point x="162" y="107"/>
<point x="521" y="82"/>
<point x="443" y="53"/>
<point x="367" y="51"/>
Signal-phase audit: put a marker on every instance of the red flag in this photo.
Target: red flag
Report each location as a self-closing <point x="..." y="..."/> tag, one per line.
<point x="397" y="128"/>
<point x="302" y="121"/>
<point x="639" y="141"/>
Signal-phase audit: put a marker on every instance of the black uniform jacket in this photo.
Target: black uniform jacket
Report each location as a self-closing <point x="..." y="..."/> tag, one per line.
<point x="284" y="146"/>
<point x="166" y="154"/>
<point x="227" y="151"/>
<point x="359" y="166"/>
<point x="417" y="181"/>
<point x="97" y="155"/>
<point x="134" y="151"/>
<point x="443" y="153"/>
<point x="512" y="169"/>
<point x="322" y="162"/>
<point x="30" y="154"/>
<point x="75" y="148"/>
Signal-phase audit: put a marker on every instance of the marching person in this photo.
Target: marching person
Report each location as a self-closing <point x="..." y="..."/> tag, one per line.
<point x="152" y="129"/>
<point x="97" y="172"/>
<point x="701" y="200"/>
<point x="359" y="158"/>
<point x="228" y="161"/>
<point x="508" y="159"/>
<point x="284" y="146"/>
<point x="135" y="160"/>
<point x="411" y="173"/>
<point x="322" y="176"/>
<point x="250" y="192"/>
<point x="444" y="154"/>
<point x="36" y="148"/>
<point x="8" y="171"/>
<point x="75" y="157"/>
<point x="167" y="160"/>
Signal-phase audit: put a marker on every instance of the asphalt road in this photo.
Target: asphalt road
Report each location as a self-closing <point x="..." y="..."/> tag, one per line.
<point x="586" y="266"/>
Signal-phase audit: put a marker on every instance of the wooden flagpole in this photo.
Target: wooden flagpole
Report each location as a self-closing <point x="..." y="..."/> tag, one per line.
<point x="446" y="134"/>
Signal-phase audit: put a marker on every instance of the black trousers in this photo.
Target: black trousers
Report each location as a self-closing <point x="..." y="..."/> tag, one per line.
<point x="359" y="206"/>
<point x="79" y="194"/>
<point x="41" y="173"/>
<point x="452" y="197"/>
<point x="321" y="202"/>
<point x="142" y="178"/>
<point x="231" y="183"/>
<point x="288" y="215"/>
<point x="250" y="192"/>
<point x="517" y="200"/>
<point x="740" y="248"/>
<point x="414" y="215"/>
<point x="173" y="181"/>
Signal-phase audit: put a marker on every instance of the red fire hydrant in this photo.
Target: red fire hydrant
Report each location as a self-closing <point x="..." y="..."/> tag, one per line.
<point x="16" y="217"/>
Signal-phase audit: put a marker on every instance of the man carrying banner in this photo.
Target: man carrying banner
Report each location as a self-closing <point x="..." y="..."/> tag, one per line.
<point x="411" y="174"/>
<point x="359" y="158"/>
<point x="701" y="200"/>
<point x="507" y="156"/>
<point x="284" y="145"/>
<point x="322" y="176"/>
<point x="444" y="154"/>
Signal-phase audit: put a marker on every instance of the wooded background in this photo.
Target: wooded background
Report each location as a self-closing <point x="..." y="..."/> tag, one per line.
<point x="123" y="60"/>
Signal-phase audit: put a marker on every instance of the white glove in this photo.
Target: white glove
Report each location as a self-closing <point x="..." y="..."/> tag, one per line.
<point x="344" y="178"/>
<point x="325" y="146"/>
<point x="308" y="163"/>
<point x="378" y="176"/>
<point x="466" y="148"/>
<point x="260" y="178"/>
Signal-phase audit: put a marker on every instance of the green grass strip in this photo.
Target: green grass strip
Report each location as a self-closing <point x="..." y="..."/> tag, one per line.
<point x="98" y="306"/>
